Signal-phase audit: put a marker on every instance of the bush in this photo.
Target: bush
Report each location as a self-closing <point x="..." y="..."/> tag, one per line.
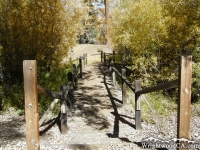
<point x="13" y="96"/>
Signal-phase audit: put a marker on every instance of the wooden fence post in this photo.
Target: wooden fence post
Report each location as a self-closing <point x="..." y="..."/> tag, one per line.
<point x="137" y="106"/>
<point x="109" y="63"/>
<point x="80" y="66"/>
<point x="75" y="79"/>
<point x="110" y="68"/>
<point x="101" y="56"/>
<point x="31" y="104"/>
<point x="184" y="97"/>
<point x="70" y="90"/>
<point x="113" y="74"/>
<point x="114" y="56"/>
<point x="123" y="86"/>
<point x="104" y="58"/>
<point x="64" y="127"/>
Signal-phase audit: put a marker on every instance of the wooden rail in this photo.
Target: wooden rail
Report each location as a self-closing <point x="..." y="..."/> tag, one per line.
<point x="184" y="97"/>
<point x="31" y="91"/>
<point x="162" y="86"/>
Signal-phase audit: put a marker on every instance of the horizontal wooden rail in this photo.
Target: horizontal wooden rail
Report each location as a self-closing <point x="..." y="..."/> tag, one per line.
<point x="138" y="92"/>
<point x="42" y="119"/>
<point x="129" y="84"/>
<point x="162" y="86"/>
<point x="125" y="80"/>
<point x="117" y="71"/>
<point x="46" y="92"/>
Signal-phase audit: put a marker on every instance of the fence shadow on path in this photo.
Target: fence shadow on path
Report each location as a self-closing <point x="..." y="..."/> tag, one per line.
<point x="89" y="104"/>
<point x="118" y="117"/>
<point x="49" y="124"/>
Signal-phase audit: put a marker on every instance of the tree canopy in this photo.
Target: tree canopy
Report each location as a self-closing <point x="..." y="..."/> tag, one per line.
<point x="43" y="30"/>
<point x="154" y="33"/>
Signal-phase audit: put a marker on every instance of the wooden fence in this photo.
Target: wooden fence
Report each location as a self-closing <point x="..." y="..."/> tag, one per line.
<point x="31" y="91"/>
<point x="183" y="83"/>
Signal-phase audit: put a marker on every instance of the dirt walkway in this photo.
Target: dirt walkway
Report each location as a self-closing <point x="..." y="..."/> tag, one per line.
<point x="98" y="121"/>
<point x="101" y="119"/>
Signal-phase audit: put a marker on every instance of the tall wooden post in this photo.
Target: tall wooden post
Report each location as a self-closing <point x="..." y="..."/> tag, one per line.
<point x="184" y="97"/>
<point x="106" y="2"/>
<point x="137" y="106"/>
<point x="124" y="101"/>
<point x="31" y="104"/>
<point x="80" y="63"/>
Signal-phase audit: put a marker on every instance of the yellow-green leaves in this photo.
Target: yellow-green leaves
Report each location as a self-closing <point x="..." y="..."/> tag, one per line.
<point x="159" y="29"/>
<point x="43" y="30"/>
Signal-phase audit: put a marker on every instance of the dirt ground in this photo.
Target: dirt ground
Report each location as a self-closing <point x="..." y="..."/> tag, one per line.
<point x="93" y="52"/>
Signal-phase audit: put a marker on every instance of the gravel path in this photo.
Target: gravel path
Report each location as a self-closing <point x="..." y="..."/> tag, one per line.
<point x="98" y="121"/>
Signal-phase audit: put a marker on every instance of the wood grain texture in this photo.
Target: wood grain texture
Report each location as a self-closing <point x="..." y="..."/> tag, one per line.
<point x="31" y="104"/>
<point x="184" y="97"/>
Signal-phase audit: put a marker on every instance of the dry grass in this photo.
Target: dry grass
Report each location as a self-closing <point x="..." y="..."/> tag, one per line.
<point x="93" y="52"/>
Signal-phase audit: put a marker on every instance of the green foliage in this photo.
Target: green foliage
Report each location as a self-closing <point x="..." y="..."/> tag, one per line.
<point x="152" y="35"/>
<point x="38" y="30"/>
<point x="163" y="104"/>
<point x="14" y="96"/>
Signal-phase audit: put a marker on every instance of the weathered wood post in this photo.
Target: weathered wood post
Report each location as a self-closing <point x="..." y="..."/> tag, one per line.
<point x="31" y="104"/>
<point x="184" y="97"/>
<point x="64" y="92"/>
<point x="137" y="106"/>
<point x="104" y="58"/>
<point x="114" y="56"/>
<point x="80" y="66"/>
<point x="86" y="59"/>
<point x="113" y="74"/>
<point x="101" y="56"/>
<point x="74" y="72"/>
<point x="70" y="89"/>
<point x="110" y="68"/>
<point x="124" y="101"/>
<point x="109" y="62"/>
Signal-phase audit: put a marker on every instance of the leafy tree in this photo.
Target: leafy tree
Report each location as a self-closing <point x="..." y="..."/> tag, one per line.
<point x="155" y="33"/>
<point x="41" y="30"/>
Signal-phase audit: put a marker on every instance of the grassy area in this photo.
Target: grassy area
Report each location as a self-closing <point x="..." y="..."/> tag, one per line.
<point x="163" y="104"/>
